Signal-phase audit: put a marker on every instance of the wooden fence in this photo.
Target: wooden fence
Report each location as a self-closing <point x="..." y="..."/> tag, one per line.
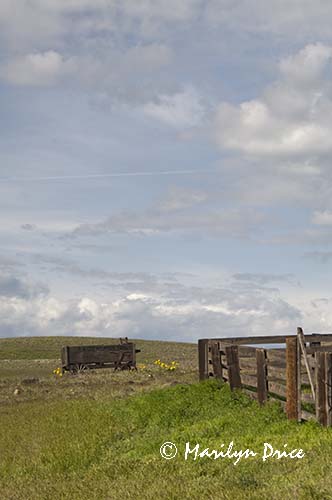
<point x="298" y="374"/>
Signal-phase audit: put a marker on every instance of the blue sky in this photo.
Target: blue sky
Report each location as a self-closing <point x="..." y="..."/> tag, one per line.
<point x="165" y="167"/>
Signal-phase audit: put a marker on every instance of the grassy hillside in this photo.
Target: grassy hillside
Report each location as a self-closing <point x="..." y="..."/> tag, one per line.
<point x="98" y="436"/>
<point x="50" y="347"/>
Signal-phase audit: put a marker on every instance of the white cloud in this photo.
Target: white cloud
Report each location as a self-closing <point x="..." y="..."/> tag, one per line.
<point x="293" y="115"/>
<point x="291" y="20"/>
<point x="323" y="218"/>
<point x="276" y="182"/>
<point x="44" y="20"/>
<point x="264" y="278"/>
<point x="317" y="315"/>
<point x="320" y="256"/>
<point x="71" y="5"/>
<point x="37" y="69"/>
<point x="121" y="74"/>
<point x="149" y="57"/>
<point x="193" y="313"/>
<point x="39" y="23"/>
<point x="180" y="110"/>
<point x="145" y="10"/>
<point x="234" y="223"/>
<point x="308" y="65"/>
<point x="179" y="199"/>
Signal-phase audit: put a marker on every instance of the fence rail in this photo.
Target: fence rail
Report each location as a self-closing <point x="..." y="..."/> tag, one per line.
<point x="298" y="375"/>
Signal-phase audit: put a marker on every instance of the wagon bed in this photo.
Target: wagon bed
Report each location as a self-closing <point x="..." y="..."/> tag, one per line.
<point x="80" y="358"/>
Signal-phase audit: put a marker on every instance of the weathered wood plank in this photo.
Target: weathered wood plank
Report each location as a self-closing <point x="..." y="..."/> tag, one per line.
<point x="247" y="356"/>
<point x="65" y="356"/>
<point x="277" y="365"/>
<point x="273" y="339"/>
<point x="279" y="389"/>
<point x="233" y="367"/>
<point x="319" y="348"/>
<point x="249" y="380"/>
<point x="276" y="380"/>
<point x="274" y="371"/>
<point x="209" y="359"/>
<point x="328" y="368"/>
<point x="246" y="364"/>
<point x="305" y="358"/>
<point x="292" y="395"/>
<point x="119" y="360"/>
<point x="264" y="339"/>
<point x="249" y="371"/>
<point x="298" y="380"/>
<point x="223" y="361"/>
<point x="276" y="356"/>
<point x="203" y="359"/>
<point x="311" y="363"/>
<point x="247" y="351"/>
<point x="321" y="402"/>
<point x="306" y="415"/>
<point x="97" y="356"/>
<point x="216" y="360"/>
<point x="262" y="383"/>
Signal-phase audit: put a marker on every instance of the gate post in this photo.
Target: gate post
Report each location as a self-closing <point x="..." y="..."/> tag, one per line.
<point x="328" y="362"/>
<point x="203" y="361"/>
<point x="262" y="383"/>
<point x="233" y="366"/>
<point x="216" y="360"/>
<point x="292" y="387"/>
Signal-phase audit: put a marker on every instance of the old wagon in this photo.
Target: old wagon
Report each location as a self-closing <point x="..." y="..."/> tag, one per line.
<point x="80" y="358"/>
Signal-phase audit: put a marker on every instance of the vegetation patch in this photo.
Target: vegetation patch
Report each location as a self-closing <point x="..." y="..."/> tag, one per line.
<point x="84" y="448"/>
<point x="98" y="435"/>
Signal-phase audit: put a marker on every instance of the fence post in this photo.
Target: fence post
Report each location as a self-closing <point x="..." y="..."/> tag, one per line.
<point x="292" y="389"/>
<point x="216" y="360"/>
<point x="328" y="365"/>
<point x="299" y="380"/>
<point x="262" y="383"/>
<point x="321" y="400"/>
<point x="233" y="367"/>
<point x="203" y="365"/>
<point x="314" y="367"/>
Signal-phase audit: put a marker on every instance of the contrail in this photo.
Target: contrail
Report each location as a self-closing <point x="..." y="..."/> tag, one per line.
<point x="102" y="176"/>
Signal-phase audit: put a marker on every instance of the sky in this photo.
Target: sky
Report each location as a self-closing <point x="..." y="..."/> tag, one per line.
<point x="165" y="168"/>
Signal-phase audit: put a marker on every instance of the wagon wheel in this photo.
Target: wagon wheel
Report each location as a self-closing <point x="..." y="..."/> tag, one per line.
<point x="79" y="368"/>
<point x="82" y="368"/>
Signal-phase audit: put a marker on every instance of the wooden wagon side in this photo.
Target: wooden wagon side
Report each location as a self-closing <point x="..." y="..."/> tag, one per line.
<point x="80" y="358"/>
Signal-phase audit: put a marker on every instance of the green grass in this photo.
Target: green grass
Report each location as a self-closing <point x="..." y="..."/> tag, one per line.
<point x="94" y="449"/>
<point x="98" y="436"/>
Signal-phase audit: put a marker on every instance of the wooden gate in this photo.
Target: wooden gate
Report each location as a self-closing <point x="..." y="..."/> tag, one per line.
<point x="297" y="371"/>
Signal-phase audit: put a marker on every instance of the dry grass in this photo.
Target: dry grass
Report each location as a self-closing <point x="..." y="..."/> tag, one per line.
<point x="26" y="370"/>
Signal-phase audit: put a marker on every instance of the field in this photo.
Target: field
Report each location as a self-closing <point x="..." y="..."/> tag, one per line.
<point x="97" y="435"/>
<point x="27" y="364"/>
